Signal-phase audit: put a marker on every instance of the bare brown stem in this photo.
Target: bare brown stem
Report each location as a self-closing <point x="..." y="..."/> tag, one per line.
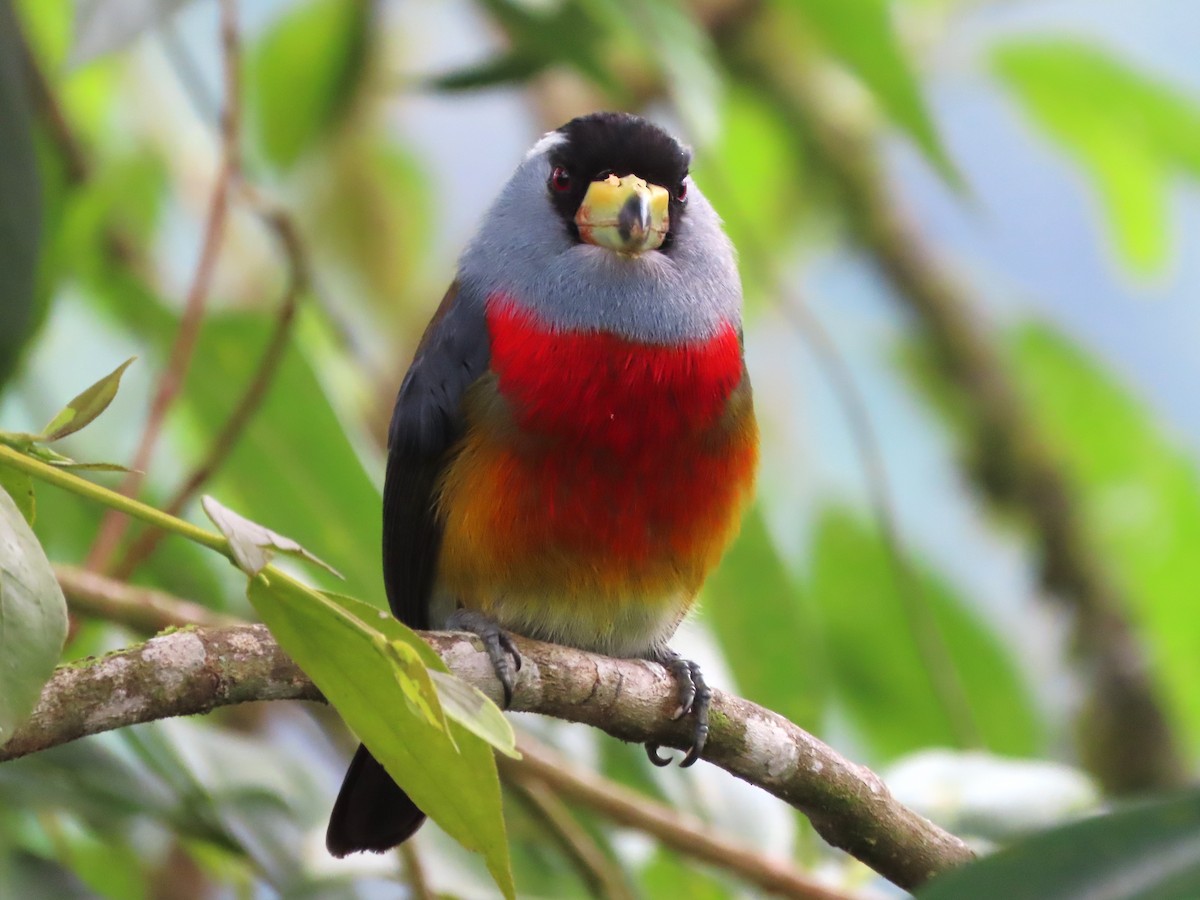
<point x="142" y="610"/>
<point x="268" y="366"/>
<point x="673" y="829"/>
<point x="601" y="875"/>
<point x="113" y="525"/>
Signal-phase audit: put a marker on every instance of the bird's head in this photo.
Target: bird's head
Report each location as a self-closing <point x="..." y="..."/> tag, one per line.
<point x="602" y="227"/>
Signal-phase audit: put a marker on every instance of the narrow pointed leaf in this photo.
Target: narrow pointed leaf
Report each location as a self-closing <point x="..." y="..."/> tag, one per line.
<point x="85" y="407"/>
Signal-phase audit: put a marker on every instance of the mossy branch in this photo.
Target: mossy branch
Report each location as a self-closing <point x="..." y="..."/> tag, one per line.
<point x="196" y="670"/>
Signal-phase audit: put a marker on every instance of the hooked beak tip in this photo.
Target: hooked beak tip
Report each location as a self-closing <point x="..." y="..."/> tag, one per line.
<point x="633" y="221"/>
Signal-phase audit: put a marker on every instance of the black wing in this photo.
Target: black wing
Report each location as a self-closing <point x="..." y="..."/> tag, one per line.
<point x="427" y="422"/>
<point x="371" y="812"/>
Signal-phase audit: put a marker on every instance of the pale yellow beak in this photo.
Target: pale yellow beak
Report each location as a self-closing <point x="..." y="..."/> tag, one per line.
<point x="624" y="214"/>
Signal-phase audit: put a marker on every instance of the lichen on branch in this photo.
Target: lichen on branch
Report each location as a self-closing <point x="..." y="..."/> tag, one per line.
<point x="196" y="670"/>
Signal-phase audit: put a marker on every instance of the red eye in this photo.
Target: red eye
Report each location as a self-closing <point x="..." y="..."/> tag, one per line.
<point x="681" y="194"/>
<point x="560" y="179"/>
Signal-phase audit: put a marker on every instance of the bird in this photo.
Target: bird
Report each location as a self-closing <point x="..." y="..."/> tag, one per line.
<point x="574" y="444"/>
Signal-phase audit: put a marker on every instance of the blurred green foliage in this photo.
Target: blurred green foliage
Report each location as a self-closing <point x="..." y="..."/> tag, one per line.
<point x="1130" y="132"/>
<point x="811" y="621"/>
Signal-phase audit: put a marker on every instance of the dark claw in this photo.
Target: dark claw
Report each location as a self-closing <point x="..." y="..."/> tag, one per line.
<point x="496" y="643"/>
<point x="694" y="698"/>
<point x="655" y="757"/>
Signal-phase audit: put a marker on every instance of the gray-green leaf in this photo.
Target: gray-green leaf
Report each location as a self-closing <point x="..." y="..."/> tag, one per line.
<point x="254" y="546"/>
<point x="353" y="653"/>
<point x="33" y="619"/>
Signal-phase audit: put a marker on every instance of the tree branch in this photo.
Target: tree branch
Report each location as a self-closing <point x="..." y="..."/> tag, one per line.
<point x="145" y="611"/>
<point x="197" y="670"/>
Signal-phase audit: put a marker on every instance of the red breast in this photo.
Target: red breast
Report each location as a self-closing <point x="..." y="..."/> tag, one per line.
<point x="597" y="466"/>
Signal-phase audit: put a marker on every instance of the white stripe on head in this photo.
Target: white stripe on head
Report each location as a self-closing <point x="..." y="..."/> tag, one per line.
<point x="545" y="143"/>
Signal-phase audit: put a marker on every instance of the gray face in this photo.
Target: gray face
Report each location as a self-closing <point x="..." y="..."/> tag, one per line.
<point x="523" y="250"/>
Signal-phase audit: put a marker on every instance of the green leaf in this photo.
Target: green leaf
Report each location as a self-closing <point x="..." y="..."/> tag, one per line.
<point x="108" y="866"/>
<point x="253" y="545"/>
<point x="1148" y="851"/>
<point x="1140" y="498"/>
<point x="760" y="214"/>
<point x="371" y="211"/>
<point x="85" y="407"/>
<point x="33" y="619"/>
<point x="1130" y="133"/>
<point x="348" y="648"/>
<point x="879" y="675"/>
<point x="861" y="34"/>
<point x="539" y="35"/>
<point x="90" y="466"/>
<point x="471" y="708"/>
<point x="305" y="74"/>
<point x="505" y="68"/>
<point x="667" y="875"/>
<point x="19" y="486"/>
<point x="21" y="207"/>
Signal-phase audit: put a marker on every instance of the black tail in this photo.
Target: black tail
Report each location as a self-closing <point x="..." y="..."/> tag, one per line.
<point x="371" y="812"/>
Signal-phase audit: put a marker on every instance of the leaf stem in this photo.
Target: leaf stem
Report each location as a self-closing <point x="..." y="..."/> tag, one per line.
<point x="113" y="500"/>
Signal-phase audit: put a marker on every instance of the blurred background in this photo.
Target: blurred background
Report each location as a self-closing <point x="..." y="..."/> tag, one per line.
<point x="969" y="233"/>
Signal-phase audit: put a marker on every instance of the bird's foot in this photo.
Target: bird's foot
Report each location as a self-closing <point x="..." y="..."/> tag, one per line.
<point x="496" y="643"/>
<point x="694" y="698"/>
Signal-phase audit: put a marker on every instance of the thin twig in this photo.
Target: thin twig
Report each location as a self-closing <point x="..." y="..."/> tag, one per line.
<point x="75" y="162"/>
<point x="113" y="525"/>
<point x="669" y="827"/>
<point x="142" y="610"/>
<point x="268" y="366"/>
<point x="414" y="872"/>
<point x="944" y="678"/>
<point x="601" y="874"/>
<point x="932" y="648"/>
